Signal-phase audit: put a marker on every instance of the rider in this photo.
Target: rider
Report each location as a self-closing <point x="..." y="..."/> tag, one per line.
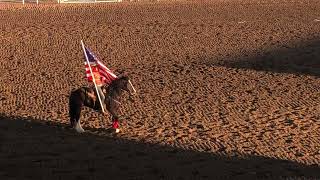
<point x="98" y="80"/>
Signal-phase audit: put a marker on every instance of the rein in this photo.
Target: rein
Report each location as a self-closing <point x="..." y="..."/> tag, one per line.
<point x="115" y="100"/>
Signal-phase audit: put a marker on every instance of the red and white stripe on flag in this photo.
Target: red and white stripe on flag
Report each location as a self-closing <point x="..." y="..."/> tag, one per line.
<point x="107" y="76"/>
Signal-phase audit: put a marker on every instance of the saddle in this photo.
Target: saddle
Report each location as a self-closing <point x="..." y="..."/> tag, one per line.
<point x="91" y="98"/>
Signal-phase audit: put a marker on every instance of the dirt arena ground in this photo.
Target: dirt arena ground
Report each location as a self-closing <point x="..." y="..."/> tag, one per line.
<point x="227" y="89"/>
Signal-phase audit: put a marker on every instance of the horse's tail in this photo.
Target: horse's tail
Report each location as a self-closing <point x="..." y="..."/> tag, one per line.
<point x="75" y="105"/>
<point x="71" y="104"/>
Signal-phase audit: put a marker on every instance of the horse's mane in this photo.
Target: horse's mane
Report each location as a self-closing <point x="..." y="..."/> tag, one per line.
<point x="114" y="86"/>
<point x="116" y="81"/>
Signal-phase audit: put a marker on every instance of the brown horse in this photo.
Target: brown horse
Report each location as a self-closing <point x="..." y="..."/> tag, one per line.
<point x="87" y="96"/>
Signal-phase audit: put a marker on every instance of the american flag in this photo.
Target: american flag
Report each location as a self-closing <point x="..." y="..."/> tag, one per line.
<point x="107" y="76"/>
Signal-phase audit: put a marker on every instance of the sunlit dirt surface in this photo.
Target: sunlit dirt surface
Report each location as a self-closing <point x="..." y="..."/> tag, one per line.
<point x="226" y="90"/>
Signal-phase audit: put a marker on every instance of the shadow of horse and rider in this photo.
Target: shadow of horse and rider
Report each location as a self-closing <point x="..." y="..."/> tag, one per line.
<point x="87" y="96"/>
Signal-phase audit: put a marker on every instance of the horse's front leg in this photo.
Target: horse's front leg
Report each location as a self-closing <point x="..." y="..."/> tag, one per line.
<point x="113" y="106"/>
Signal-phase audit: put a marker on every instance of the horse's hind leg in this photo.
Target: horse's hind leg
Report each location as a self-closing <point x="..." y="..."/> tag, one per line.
<point x="77" y="124"/>
<point x="74" y="118"/>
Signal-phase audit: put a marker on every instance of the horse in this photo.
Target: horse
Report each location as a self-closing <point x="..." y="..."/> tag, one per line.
<point x="87" y="96"/>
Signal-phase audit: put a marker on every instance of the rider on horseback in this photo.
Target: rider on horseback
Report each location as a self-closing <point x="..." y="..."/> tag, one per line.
<point x="108" y="88"/>
<point x="100" y="83"/>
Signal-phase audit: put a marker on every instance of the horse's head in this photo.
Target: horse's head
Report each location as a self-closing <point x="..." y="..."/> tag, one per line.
<point x="119" y="84"/>
<point x="125" y="84"/>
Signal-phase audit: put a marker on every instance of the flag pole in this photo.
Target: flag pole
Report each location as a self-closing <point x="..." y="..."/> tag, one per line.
<point x="94" y="81"/>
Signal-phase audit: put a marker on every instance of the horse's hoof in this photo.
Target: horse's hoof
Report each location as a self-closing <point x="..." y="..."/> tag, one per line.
<point x="78" y="128"/>
<point x="117" y="130"/>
